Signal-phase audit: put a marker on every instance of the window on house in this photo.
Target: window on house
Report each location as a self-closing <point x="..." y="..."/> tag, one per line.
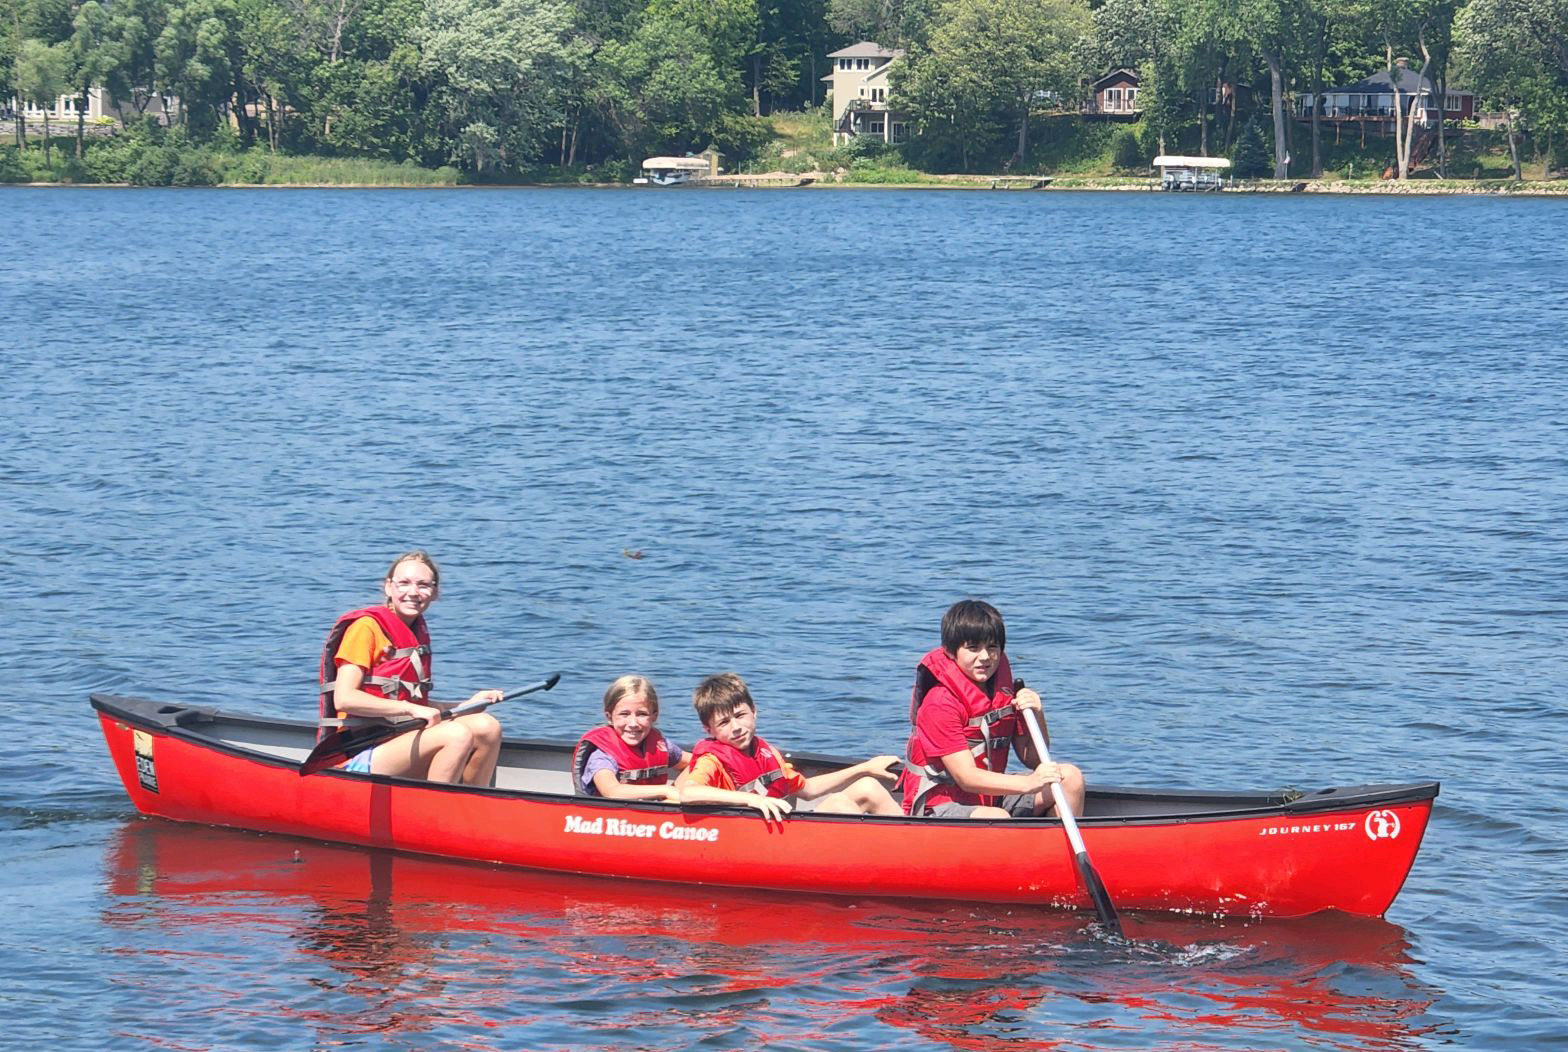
<point x="1113" y="98"/>
<point x="878" y="94"/>
<point x="875" y="127"/>
<point x="900" y="131"/>
<point x="862" y="63"/>
<point x="1132" y="94"/>
<point x="1451" y="103"/>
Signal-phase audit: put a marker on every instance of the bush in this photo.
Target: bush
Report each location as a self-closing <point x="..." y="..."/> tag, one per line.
<point x="618" y="170"/>
<point x="109" y="160"/>
<point x="739" y="137"/>
<point x="151" y="165"/>
<point x="11" y="168"/>
<point x="866" y="147"/>
<point x="1127" y="152"/>
<point x="194" y="166"/>
<point x="249" y="168"/>
<point x="864" y="172"/>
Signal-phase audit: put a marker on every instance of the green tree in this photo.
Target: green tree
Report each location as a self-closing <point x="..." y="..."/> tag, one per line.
<point x="198" y="57"/>
<point x="136" y="26"/>
<point x="1515" y="54"/>
<point x="1272" y="28"/>
<point x="954" y="113"/>
<point x="664" y="87"/>
<point x="1013" y="54"/>
<point x="1399" y="27"/>
<point x="96" y="58"/>
<point x="892" y="23"/>
<point x="495" y="67"/>
<point x="1250" y="159"/>
<point x="41" y="74"/>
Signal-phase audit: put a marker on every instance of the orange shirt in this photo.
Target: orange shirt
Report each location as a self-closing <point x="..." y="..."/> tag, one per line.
<point x="363" y="643"/>
<point x="707" y="770"/>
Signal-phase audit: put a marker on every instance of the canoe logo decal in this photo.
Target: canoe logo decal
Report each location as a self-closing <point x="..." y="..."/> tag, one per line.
<point x="619" y="827"/>
<point x="146" y="772"/>
<point x="1382" y="825"/>
<point x="1311" y="827"/>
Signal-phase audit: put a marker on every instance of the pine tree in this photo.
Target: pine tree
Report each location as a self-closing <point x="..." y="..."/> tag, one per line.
<point x="1251" y="159"/>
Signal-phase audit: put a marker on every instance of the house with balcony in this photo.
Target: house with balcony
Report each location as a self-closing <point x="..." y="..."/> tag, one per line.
<point x="1114" y="95"/>
<point x="860" y="94"/>
<point x="1369" y="102"/>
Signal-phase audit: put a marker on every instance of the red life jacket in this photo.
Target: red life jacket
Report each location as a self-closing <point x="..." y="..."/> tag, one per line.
<point x="992" y="723"/>
<point x="401" y="672"/>
<point x="759" y="772"/>
<point x="648" y="764"/>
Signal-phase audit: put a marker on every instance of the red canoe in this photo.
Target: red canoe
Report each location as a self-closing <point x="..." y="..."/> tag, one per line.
<point x="1277" y="854"/>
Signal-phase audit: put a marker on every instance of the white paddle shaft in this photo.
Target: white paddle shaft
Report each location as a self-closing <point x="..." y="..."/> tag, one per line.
<point x="1063" y="812"/>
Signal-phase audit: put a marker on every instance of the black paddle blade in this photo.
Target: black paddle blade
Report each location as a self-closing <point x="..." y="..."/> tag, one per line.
<point x="348" y="742"/>
<point x="1099" y="896"/>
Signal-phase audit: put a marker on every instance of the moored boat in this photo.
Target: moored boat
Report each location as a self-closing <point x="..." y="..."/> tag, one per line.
<point x="1282" y="854"/>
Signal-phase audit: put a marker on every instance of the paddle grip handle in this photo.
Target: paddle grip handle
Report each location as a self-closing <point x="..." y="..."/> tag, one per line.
<point x="479" y="706"/>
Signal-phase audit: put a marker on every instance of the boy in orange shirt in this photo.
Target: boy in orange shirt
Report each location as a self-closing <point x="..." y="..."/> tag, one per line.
<point x="735" y="766"/>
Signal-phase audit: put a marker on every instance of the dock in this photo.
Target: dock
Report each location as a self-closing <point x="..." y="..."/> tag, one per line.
<point x="1020" y="182"/>
<point x="755" y="182"/>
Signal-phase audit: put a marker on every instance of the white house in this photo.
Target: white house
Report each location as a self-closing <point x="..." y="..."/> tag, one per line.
<point x="860" y="94"/>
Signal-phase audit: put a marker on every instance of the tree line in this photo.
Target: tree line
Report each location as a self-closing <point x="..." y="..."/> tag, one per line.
<point x="499" y="86"/>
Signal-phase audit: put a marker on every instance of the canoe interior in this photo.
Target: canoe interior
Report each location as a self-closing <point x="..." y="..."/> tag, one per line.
<point x="543" y="767"/>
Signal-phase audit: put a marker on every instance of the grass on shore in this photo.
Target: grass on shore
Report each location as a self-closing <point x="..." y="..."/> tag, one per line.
<point x="129" y="159"/>
<point x="284" y="170"/>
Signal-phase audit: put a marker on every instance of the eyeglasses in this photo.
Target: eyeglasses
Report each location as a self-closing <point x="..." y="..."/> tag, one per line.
<point x="427" y="587"/>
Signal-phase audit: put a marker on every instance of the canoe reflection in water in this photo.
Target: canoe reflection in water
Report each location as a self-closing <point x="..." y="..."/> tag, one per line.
<point x="315" y="944"/>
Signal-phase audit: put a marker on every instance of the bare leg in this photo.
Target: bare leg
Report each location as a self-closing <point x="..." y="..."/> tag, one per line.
<point x="1072" y="788"/>
<point x="486" y="730"/>
<point x="863" y="796"/>
<point x="435" y="753"/>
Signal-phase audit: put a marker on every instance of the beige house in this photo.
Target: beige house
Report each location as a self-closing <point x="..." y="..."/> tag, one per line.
<point x="99" y="104"/>
<point x="860" y="91"/>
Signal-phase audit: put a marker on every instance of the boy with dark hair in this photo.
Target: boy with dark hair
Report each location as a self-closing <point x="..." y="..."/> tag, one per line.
<point x="966" y="717"/>
<point x="733" y="765"/>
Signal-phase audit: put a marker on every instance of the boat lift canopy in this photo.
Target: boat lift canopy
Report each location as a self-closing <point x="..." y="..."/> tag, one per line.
<point x="676" y="164"/>
<point x="1191" y="173"/>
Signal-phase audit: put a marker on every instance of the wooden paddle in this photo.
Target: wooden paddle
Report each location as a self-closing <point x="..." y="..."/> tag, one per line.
<point x="347" y="742"/>
<point x="1086" y="872"/>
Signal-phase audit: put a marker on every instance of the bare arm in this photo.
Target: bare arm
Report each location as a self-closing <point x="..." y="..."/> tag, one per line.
<point x="771" y="807"/>
<point x="833" y="781"/>
<point x="1022" y="745"/>
<point x="347" y="696"/>
<point x="611" y="789"/>
<point x="972" y="779"/>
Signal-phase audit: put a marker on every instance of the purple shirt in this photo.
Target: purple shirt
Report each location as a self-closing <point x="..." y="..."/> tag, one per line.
<point x="599" y="760"/>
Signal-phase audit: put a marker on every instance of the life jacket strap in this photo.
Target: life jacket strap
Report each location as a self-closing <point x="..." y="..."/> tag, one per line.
<point x="762" y="781"/>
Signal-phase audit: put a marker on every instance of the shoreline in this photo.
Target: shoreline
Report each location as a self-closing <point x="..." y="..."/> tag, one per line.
<point x="1411" y="188"/>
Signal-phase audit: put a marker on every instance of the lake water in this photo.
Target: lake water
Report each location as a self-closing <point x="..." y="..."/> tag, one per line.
<point x="1272" y="491"/>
